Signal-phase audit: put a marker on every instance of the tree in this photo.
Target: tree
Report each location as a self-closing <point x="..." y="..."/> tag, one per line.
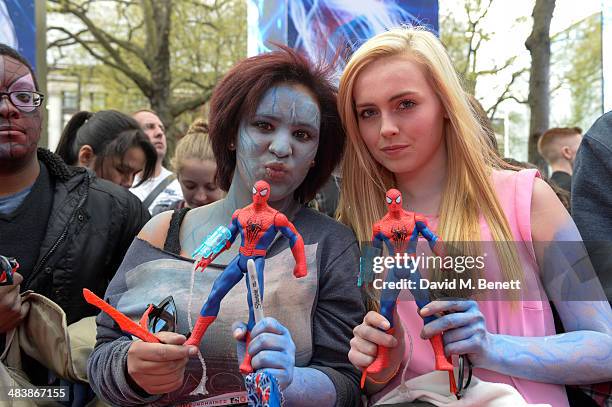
<point x="172" y="53"/>
<point x="576" y="58"/>
<point x="538" y="44"/>
<point x="463" y="35"/>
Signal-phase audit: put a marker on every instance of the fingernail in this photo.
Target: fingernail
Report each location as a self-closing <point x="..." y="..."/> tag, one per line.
<point x="238" y="332"/>
<point x="424" y="311"/>
<point x="193" y="351"/>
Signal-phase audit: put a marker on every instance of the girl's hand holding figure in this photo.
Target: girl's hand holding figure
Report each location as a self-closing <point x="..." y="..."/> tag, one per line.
<point x="159" y="368"/>
<point x="271" y="349"/>
<point x="368" y="336"/>
<point x="463" y="328"/>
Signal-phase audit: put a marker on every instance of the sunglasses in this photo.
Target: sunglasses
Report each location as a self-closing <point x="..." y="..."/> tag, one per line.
<point x="463" y="384"/>
<point x="161" y="317"/>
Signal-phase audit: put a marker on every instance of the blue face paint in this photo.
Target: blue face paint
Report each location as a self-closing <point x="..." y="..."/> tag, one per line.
<point x="19" y="127"/>
<point x="581" y="355"/>
<point x="279" y="143"/>
<point x="565" y="270"/>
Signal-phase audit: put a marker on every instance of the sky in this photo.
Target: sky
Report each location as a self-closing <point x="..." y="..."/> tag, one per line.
<point x="509" y="40"/>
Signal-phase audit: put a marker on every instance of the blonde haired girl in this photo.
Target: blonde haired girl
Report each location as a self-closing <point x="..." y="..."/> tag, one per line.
<point x="195" y="167"/>
<point x="410" y="126"/>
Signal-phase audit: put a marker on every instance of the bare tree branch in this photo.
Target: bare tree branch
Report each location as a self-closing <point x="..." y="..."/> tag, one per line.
<point x="192" y="81"/>
<point x="106" y="39"/>
<point x="218" y="5"/>
<point x="497" y="69"/>
<point x="556" y="88"/>
<point x="506" y="94"/>
<point x="174" y="72"/>
<point x="473" y="29"/>
<point x="62" y="42"/>
<point x="190" y="104"/>
<point x="138" y="79"/>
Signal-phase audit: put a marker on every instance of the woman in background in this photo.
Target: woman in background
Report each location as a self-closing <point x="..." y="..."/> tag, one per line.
<point x="195" y="167"/>
<point x="109" y="143"/>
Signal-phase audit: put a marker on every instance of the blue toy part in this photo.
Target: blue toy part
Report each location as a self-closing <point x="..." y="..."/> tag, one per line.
<point x="366" y="264"/>
<point x="262" y="390"/>
<point x="214" y="243"/>
<point x="421" y="296"/>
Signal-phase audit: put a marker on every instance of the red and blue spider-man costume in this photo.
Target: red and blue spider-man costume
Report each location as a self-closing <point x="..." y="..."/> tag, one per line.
<point x="257" y="224"/>
<point x="399" y="230"/>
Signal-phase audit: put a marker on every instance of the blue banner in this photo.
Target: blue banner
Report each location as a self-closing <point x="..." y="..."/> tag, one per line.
<point x="321" y="28"/>
<point x="18" y="27"/>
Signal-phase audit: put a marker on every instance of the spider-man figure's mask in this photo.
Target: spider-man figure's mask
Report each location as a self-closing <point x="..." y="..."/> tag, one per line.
<point x="393" y="198"/>
<point x="261" y="192"/>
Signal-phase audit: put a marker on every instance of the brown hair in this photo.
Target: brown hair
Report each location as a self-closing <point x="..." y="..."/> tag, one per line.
<point x="109" y="133"/>
<point x="239" y="93"/>
<point x="545" y="143"/>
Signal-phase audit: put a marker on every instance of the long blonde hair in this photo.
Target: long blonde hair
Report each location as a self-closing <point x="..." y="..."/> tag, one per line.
<point x="468" y="192"/>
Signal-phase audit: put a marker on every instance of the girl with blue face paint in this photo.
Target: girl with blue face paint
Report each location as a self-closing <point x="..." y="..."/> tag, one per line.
<point x="410" y="127"/>
<point x="280" y="141"/>
<point x="273" y="117"/>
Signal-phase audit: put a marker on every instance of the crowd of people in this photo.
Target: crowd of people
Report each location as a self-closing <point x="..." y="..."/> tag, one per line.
<point x="399" y="118"/>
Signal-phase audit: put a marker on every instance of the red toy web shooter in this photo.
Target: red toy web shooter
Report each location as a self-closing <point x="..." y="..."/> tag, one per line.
<point x="125" y="324"/>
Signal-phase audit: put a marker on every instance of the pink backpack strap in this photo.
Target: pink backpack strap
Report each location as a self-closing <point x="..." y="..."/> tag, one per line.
<point x="524" y="190"/>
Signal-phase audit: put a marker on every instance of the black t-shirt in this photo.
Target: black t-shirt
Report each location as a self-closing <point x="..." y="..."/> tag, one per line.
<point x="562" y="179"/>
<point x="23" y="230"/>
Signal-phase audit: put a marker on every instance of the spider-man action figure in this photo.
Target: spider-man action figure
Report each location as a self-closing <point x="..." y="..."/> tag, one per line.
<point x="399" y="230"/>
<point x="257" y="224"/>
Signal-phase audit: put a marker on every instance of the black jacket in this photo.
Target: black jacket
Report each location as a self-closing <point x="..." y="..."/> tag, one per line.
<point x="91" y="226"/>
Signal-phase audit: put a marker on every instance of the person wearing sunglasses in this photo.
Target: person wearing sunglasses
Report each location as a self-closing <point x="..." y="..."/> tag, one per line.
<point x="54" y="219"/>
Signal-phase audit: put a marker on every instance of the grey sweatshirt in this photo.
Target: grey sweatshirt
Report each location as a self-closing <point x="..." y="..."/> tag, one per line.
<point x="320" y="310"/>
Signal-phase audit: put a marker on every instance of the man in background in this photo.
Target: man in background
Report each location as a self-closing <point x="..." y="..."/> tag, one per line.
<point x="558" y="146"/>
<point x="163" y="188"/>
<point x="54" y="219"/>
<point x="592" y="197"/>
<point x="592" y="212"/>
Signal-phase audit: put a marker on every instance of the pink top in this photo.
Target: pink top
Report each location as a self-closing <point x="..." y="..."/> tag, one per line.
<point x="532" y="318"/>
